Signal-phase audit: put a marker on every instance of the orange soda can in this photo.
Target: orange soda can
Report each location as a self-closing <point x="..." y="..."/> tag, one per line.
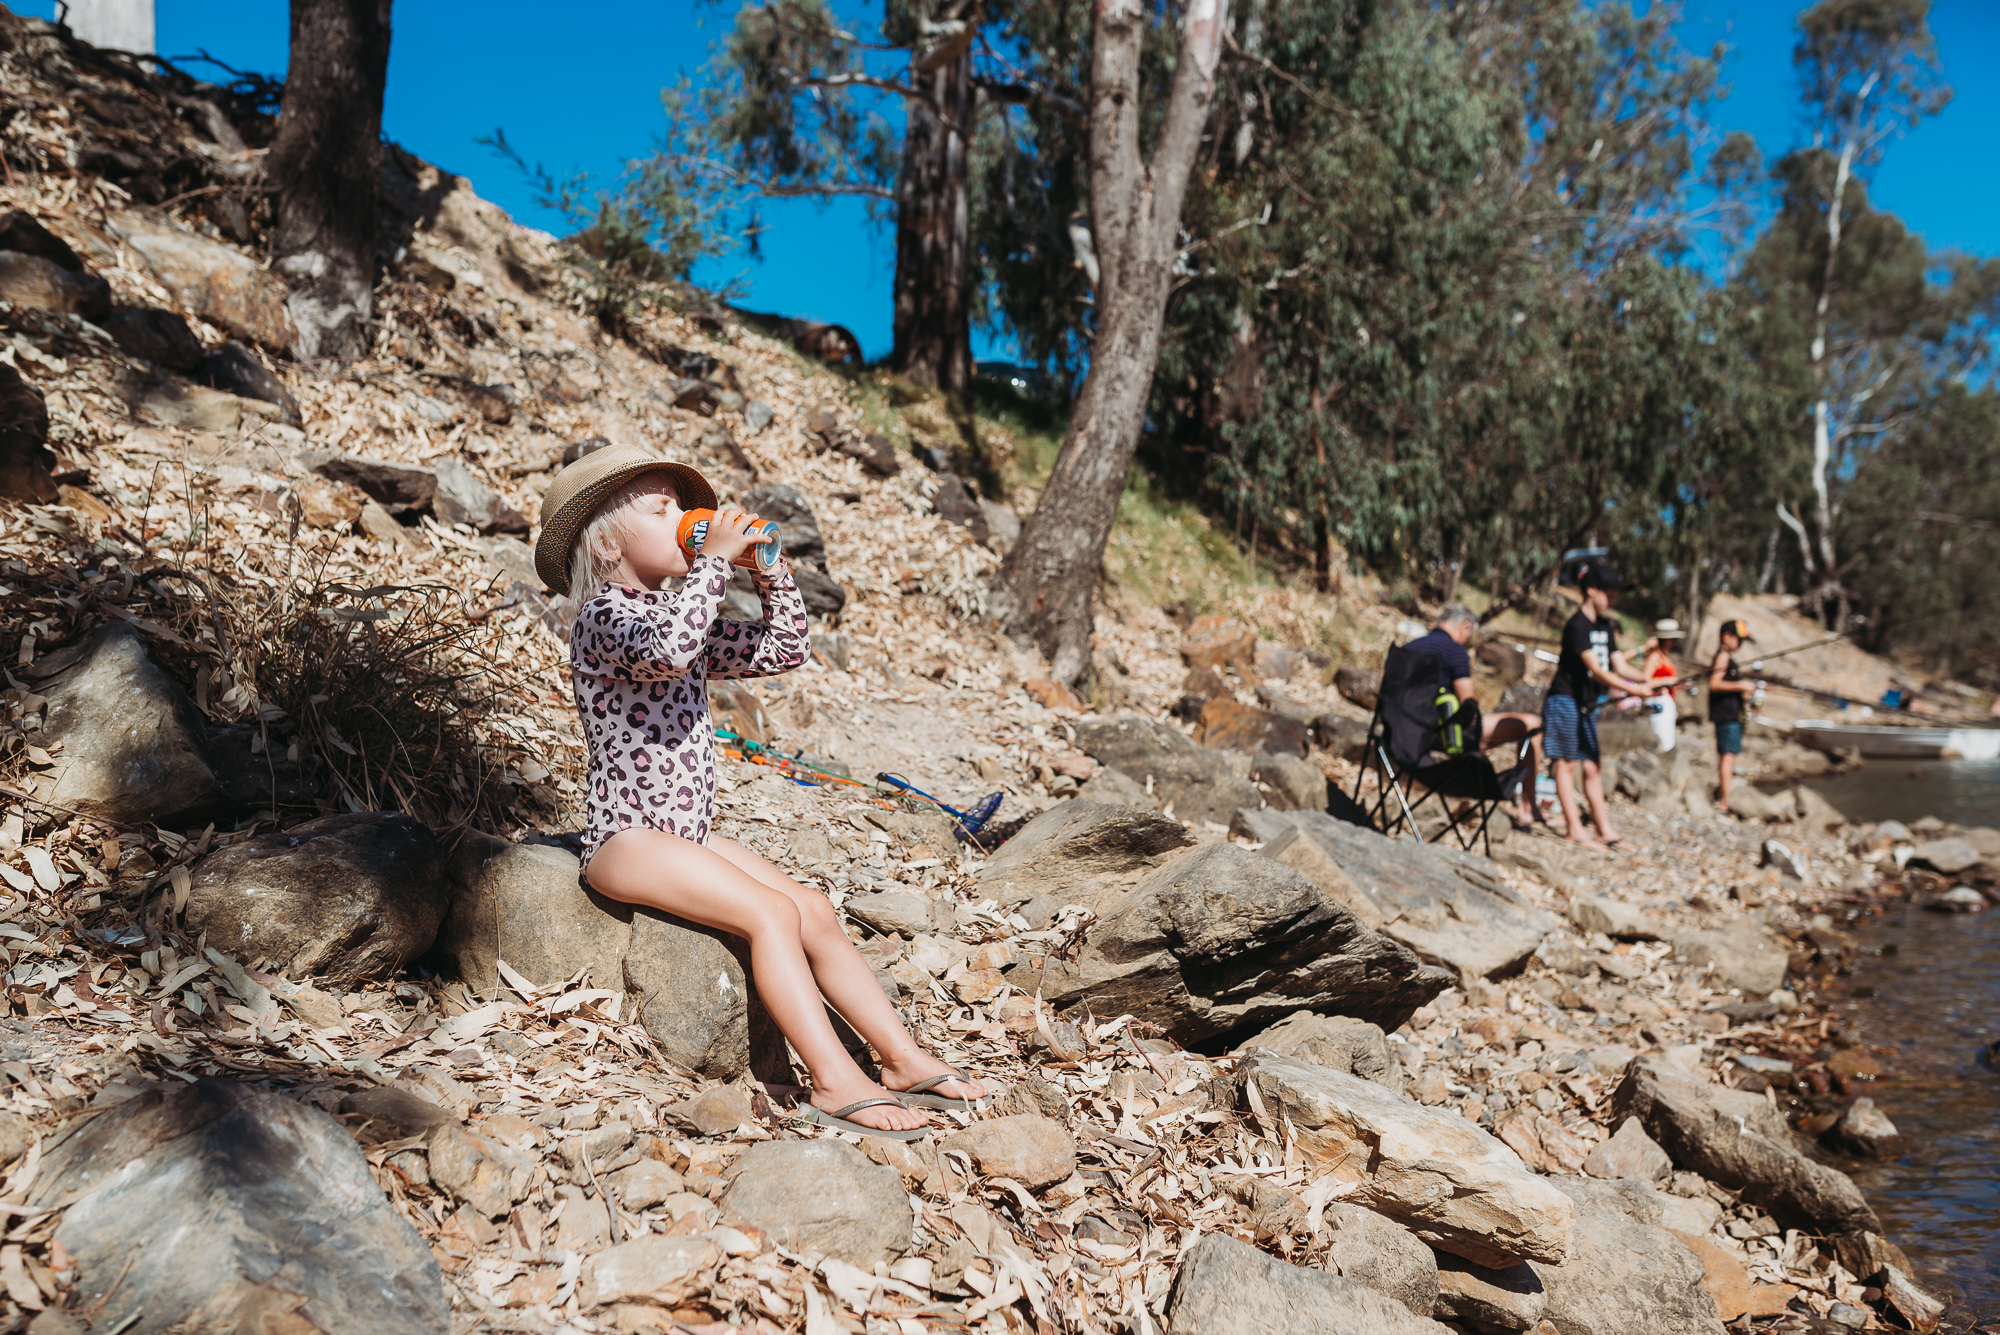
<point x="761" y="558"/>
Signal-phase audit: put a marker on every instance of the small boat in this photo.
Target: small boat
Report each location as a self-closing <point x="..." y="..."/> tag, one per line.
<point x="1892" y="743"/>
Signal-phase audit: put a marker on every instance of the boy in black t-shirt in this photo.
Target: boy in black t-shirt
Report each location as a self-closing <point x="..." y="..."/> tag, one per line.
<point x="1590" y="660"/>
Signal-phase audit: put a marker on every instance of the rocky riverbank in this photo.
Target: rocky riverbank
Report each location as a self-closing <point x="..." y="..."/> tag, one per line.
<point x="309" y="1025"/>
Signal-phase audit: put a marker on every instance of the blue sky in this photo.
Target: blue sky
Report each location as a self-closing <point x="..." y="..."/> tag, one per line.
<point x="579" y="88"/>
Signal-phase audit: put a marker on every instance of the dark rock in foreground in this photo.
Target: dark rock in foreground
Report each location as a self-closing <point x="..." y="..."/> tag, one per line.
<point x="226" y="1208"/>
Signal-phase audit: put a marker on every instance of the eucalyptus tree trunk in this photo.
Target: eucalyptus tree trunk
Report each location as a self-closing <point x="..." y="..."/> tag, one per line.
<point x="323" y="168"/>
<point x="1829" y="594"/>
<point x="933" y="292"/>
<point x="1047" y="582"/>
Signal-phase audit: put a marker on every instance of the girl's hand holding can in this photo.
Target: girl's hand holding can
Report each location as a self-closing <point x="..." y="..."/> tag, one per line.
<point x="737" y="537"/>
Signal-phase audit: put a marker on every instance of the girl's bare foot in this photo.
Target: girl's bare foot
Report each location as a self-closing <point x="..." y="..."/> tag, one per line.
<point x="1580" y="837"/>
<point x="921" y="1066"/>
<point x="882" y="1117"/>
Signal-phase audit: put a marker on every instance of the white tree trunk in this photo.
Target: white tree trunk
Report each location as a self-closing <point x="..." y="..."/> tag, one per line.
<point x="120" y="25"/>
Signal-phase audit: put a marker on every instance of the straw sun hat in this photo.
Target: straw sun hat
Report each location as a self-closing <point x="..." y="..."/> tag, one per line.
<point x="581" y="487"/>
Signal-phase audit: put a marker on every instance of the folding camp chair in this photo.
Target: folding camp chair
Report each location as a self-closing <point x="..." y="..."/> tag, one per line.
<point x="1405" y="741"/>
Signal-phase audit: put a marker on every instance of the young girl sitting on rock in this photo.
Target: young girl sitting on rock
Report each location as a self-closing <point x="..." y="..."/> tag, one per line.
<point x="641" y="660"/>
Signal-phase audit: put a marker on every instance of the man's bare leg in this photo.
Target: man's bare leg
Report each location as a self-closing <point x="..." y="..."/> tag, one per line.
<point x="1504" y="729"/>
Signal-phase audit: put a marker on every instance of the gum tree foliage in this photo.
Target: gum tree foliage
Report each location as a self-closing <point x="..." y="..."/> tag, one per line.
<point x="803" y="105"/>
<point x="1920" y="534"/>
<point x="1436" y="319"/>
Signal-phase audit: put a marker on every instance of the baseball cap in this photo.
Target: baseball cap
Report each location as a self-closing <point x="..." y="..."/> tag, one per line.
<point x="1738" y="628"/>
<point x="1598" y="573"/>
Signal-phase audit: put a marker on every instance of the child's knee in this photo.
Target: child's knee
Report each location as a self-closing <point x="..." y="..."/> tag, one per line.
<point x="816" y="916"/>
<point x="775" y="913"/>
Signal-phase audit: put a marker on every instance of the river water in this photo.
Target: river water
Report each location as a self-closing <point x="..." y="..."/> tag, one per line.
<point x="1936" y="989"/>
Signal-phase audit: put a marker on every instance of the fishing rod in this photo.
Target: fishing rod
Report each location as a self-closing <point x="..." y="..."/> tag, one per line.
<point x="793" y="765"/>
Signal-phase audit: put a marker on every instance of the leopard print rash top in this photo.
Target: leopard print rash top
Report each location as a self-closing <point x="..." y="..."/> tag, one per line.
<point x="640" y="661"/>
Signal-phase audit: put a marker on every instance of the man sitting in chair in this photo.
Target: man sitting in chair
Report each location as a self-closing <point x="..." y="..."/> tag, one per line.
<point x="1447" y="639"/>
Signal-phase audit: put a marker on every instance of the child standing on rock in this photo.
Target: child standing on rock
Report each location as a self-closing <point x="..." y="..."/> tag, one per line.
<point x="641" y="660"/>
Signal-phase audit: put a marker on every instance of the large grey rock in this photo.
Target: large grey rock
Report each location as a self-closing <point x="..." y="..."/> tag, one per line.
<point x="400" y="488"/>
<point x="40" y="284"/>
<point x="1226" y="1287"/>
<point x="525" y="904"/>
<point x="1643" y="776"/>
<point x="1449" y="906"/>
<point x="1815" y="810"/>
<point x="234" y="369"/>
<point x="1028" y="1148"/>
<point x="154" y="335"/>
<point x="1289" y="782"/>
<point x="1375" y="1250"/>
<point x="1081" y="853"/>
<point x="1614" y="917"/>
<point x="1306" y="850"/>
<point x="222" y="1207"/>
<point x="25" y="459"/>
<point x="663" y="1271"/>
<point x="132" y="743"/>
<point x="1748" y="802"/>
<point x="165" y="400"/>
<point x="343" y="897"/>
<point x="691" y="990"/>
<point x="1629" y="1153"/>
<point x="1866" y="1131"/>
<point x="823" y="1197"/>
<point x="1737" y="1140"/>
<point x="1503" y="1298"/>
<point x="1337" y="1042"/>
<point x="1428" y="1169"/>
<point x="1742" y="954"/>
<point x="463" y="499"/>
<point x="1950" y="855"/>
<point x="1197" y="783"/>
<point x="223" y="286"/>
<point x="1220" y="941"/>
<point x="891" y="913"/>
<point x="23" y="233"/>
<point x="1623" y="1277"/>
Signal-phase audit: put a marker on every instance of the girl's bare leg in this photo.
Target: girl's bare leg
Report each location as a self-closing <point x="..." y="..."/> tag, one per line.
<point x="664" y="871"/>
<point x="847" y="982"/>
<point x="1725" y="765"/>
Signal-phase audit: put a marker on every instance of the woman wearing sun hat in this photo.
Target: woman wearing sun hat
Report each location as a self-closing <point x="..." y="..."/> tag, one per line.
<point x="641" y="659"/>
<point x="1657" y="667"/>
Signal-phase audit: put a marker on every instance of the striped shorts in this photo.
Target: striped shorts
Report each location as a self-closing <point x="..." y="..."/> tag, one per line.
<point x="1569" y="733"/>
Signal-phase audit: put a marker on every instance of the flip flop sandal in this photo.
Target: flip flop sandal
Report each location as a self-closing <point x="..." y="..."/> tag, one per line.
<point x="916" y="1094"/>
<point x="837" y="1119"/>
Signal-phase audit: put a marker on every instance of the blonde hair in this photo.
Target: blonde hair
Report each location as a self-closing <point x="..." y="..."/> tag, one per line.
<point x="599" y="547"/>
